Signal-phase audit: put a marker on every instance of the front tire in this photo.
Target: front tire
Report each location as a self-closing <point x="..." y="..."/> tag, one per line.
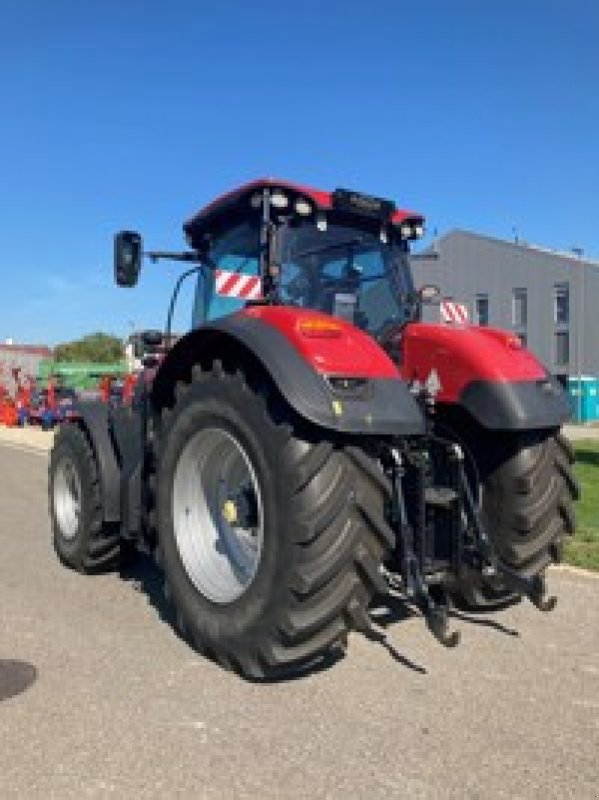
<point x="238" y="470"/>
<point x="81" y="539"/>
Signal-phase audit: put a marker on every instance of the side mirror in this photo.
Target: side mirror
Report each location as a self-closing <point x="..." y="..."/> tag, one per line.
<point x="128" y="247"/>
<point x="429" y="294"/>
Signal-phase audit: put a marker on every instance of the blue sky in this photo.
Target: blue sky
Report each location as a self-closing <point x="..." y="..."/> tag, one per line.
<point x="482" y="115"/>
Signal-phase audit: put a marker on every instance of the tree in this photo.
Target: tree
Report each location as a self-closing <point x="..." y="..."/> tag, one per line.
<point x="96" y="347"/>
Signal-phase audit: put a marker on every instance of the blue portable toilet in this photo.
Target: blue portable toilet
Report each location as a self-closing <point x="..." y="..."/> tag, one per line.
<point x="583" y="396"/>
<point x="592" y="399"/>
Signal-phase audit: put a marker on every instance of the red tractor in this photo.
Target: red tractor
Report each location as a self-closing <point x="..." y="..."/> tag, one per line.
<point x="310" y="443"/>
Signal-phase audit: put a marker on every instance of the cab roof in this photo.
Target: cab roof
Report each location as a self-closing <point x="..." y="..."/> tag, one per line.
<point x="236" y="201"/>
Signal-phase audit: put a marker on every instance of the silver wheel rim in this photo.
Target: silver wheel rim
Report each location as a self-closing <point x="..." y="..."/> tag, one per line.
<point x="218" y="515"/>
<point x="67" y="497"/>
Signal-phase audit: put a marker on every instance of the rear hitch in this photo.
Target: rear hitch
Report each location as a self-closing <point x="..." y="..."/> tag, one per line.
<point x="471" y="551"/>
<point x="533" y="588"/>
<point x="436" y="616"/>
<point x="435" y="612"/>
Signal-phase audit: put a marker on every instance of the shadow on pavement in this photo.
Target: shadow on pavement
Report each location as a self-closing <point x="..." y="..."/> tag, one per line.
<point x="389" y="611"/>
<point x="143" y="574"/>
<point x="484" y="622"/>
<point x="15" y="677"/>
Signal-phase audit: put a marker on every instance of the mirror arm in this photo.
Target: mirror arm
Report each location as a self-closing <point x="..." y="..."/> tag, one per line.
<point x="198" y="268"/>
<point x="155" y="255"/>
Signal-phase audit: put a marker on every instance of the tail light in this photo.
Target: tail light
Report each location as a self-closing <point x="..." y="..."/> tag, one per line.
<point x="318" y="328"/>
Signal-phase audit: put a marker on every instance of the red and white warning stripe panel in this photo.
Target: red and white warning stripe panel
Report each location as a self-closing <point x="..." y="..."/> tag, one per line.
<point x="454" y="313"/>
<point x="237" y="284"/>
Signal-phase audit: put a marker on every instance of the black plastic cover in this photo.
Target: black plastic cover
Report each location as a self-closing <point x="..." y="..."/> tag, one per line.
<point x="364" y="204"/>
<point x="93" y="417"/>
<point x="519" y="405"/>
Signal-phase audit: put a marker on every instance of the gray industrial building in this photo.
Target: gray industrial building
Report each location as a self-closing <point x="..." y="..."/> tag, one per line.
<point x="549" y="298"/>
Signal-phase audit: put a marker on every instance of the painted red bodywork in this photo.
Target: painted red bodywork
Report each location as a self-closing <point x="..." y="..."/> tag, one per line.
<point x="352" y="353"/>
<point x="463" y="355"/>
<point x="129" y="385"/>
<point x="322" y="200"/>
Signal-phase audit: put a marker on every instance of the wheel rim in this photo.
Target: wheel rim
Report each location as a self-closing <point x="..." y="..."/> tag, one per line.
<point x="218" y="515"/>
<point x="67" y="498"/>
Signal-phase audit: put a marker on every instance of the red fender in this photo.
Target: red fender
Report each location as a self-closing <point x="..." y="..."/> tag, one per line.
<point x="463" y="355"/>
<point x="329" y="344"/>
<point x="328" y="371"/>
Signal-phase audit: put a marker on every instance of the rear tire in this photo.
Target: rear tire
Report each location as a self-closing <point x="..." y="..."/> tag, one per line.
<point x="528" y="490"/>
<point x="528" y="500"/>
<point x="317" y="521"/>
<point x="81" y="539"/>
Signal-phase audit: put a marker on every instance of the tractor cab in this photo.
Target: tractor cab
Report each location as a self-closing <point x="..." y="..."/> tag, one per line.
<point x="342" y="253"/>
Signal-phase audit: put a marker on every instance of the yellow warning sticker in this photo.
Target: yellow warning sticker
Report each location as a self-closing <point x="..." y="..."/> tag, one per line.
<point x="337" y="408"/>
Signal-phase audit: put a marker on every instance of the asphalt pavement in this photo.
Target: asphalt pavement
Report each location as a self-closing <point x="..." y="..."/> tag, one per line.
<point x="102" y="699"/>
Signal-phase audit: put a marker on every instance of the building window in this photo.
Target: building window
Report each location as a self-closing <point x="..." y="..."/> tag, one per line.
<point x="481" y="309"/>
<point x="561" y="304"/>
<point x="562" y="348"/>
<point x="519" y="308"/>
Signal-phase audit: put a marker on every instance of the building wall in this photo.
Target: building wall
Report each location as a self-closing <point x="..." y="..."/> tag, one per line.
<point x="13" y="356"/>
<point x="470" y="265"/>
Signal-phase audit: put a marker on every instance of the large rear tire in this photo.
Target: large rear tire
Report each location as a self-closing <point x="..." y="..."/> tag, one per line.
<point x="81" y="539"/>
<point x="271" y="532"/>
<point x="527" y="489"/>
<point x="528" y="500"/>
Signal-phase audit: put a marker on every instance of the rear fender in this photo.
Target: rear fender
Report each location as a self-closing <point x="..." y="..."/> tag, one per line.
<point x="487" y="372"/>
<point x="304" y="369"/>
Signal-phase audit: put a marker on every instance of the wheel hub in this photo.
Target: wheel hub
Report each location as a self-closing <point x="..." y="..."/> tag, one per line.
<point x="67" y="498"/>
<point x="217" y="515"/>
<point x="229" y="512"/>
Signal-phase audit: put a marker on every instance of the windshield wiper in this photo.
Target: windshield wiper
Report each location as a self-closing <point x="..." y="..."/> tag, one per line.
<point x="330" y="246"/>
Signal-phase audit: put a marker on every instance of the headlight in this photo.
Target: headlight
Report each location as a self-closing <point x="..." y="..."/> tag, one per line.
<point x="279" y="200"/>
<point x="303" y="207"/>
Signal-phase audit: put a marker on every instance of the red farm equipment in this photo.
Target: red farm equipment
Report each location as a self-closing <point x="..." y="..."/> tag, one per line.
<point x="310" y="443"/>
<point x="15" y="402"/>
<point x="24" y="388"/>
<point x="5" y="399"/>
<point x="118" y="389"/>
<point x="52" y="405"/>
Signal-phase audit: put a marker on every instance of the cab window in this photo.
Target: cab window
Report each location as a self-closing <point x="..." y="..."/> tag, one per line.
<point x="237" y="250"/>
